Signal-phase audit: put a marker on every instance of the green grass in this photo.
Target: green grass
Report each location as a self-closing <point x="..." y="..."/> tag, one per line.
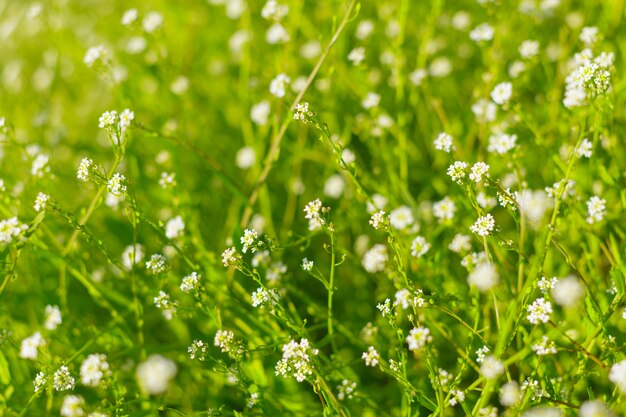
<point x="194" y="82"/>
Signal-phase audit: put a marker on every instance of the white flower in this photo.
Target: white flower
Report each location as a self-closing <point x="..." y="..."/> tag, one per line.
<point x="174" y="228"/>
<point x="307" y="265"/>
<point x="190" y="282"/>
<point x="378" y="219"/>
<point x="371" y="357"/>
<point x="132" y="255"/>
<point x="117" y="184"/>
<point x="491" y="367"/>
<point x="40" y="202"/>
<point x="544" y="347"/>
<point x="484" y="276"/>
<point x="589" y="35"/>
<point x="484" y="225"/>
<point x="296" y="360"/>
<point x="457" y="171"/>
<point x="277" y="34"/>
<point x="419" y="246"/>
<point x="313" y="213"/>
<point x="510" y="394"/>
<point x="73" y="406"/>
<point x="460" y="243"/>
<point x="346" y="390"/>
<point x="418" y="338"/>
<point x="357" y="55"/>
<point x="157" y="263"/>
<point x="444" y="209"/>
<point x="107" y="120"/>
<point x="585" y="149"/>
<point x="401" y="218"/>
<point x="168" y="179"/>
<point x="278" y="85"/>
<point x="483" y="32"/>
<point x="95" y="54"/>
<point x="126" y="118"/>
<point x="152" y="22"/>
<point x="40" y="165"/>
<point x="371" y="100"/>
<point x="129" y="17"/>
<point x="93" y="369"/>
<point x="334" y="186"/>
<point x="40" y="381"/>
<point x="259" y="113"/>
<point x="63" y="380"/>
<point x="545" y="284"/>
<point x="83" y="169"/>
<point x="501" y="143"/>
<point x="416" y="77"/>
<point x="375" y="259"/>
<point x="539" y="311"/>
<point x="596" y="209"/>
<point x="155" y="374"/>
<point x="30" y="346"/>
<point x="272" y="10"/>
<point x="164" y="303"/>
<point x="484" y="110"/>
<point x="246" y="157"/>
<point x="568" y="291"/>
<point x="478" y="171"/>
<point x="444" y="142"/>
<point x="53" y="317"/>
<point x="230" y="257"/>
<point x="225" y="340"/>
<point x="502" y="93"/>
<point x="529" y="49"/>
<point x="595" y="408"/>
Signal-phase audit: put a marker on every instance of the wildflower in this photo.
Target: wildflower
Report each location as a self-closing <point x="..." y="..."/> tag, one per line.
<point x="275" y="271"/>
<point x="73" y="406"/>
<point x="528" y="49"/>
<point x="307" y="265"/>
<point x="589" y="35"/>
<point x="157" y="263"/>
<point x="378" y="219"/>
<point x="539" y="311"/>
<point x="386" y="309"/>
<point x="508" y="198"/>
<point x="164" y="303"/>
<point x="457" y="396"/>
<point x="254" y="399"/>
<point x="357" y="55"/>
<point x="277" y="34"/>
<point x="596" y="209"/>
<point x="63" y="380"/>
<point x="132" y="255"/>
<point x="313" y="212"/>
<point x="83" y="169"/>
<point x="53" y="317"/>
<point x="190" y="282"/>
<point x="302" y="112"/>
<point x="545" y="284"/>
<point x="230" y="257"/>
<point x="334" y="186"/>
<point x="418" y="338"/>
<point x="419" y="246"/>
<point x="168" y="179"/>
<point x="107" y="120"/>
<point x="278" y="85"/>
<point x="484" y="276"/>
<point x="93" y="369"/>
<point x="460" y="243"/>
<point x="259" y="113"/>
<point x="371" y="100"/>
<point x="225" y="340"/>
<point x="484" y="225"/>
<point x="484" y="110"/>
<point x="245" y="158"/>
<point x="480" y="353"/>
<point x="595" y="408"/>
<point x="585" y="149"/>
<point x="174" y="228"/>
<point x="378" y="202"/>
<point x="371" y="357"/>
<point x="375" y="259"/>
<point x="457" y="171"/>
<point x="129" y="17"/>
<point x="126" y="117"/>
<point x="30" y="346"/>
<point x="534" y="205"/>
<point x="491" y="367"/>
<point x="560" y="186"/>
<point x="568" y="291"/>
<point x="444" y="142"/>
<point x="117" y="184"/>
<point x="152" y="22"/>
<point x="482" y="33"/>
<point x="544" y="347"/>
<point x="501" y="143"/>
<point x="401" y="218"/>
<point x="40" y="165"/>
<point x="40" y="381"/>
<point x="501" y="93"/>
<point x="272" y="10"/>
<point x="261" y="297"/>
<point x="346" y="390"/>
<point x="478" y="171"/>
<point x="444" y="209"/>
<point x="296" y="360"/>
<point x="41" y="201"/>
<point x="510" y="394"/>
<point x="96" y="54"/>
<point x="155" y="374"/>
<point x="416" y="77"/>
<point x="197" y="349"/>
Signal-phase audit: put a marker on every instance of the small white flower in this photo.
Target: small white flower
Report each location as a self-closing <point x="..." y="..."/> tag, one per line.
<point x="401" y="218"/>
<point x="174" y="228"/>
<point x="502" y="93"/>
<point x="375" y="259"/>
<point x="53" y="317"/>
<point x="444" y="142"/>
<point x="491" y="367"/>
<point x="585" y="149"/>
<point x="30" y="346"/>
<point x="539" y="311"/>
<point x="307" y="265"/>
<point x="418" y="338"/>
<point x="484" y="277"/>
<point x="458" y="171"/>
<point x="617" y="375"/>
<point x="482" y="33"/>
<point x="63" y="380"/>
<point x="83" y="169"/>
<point x="152" y="22"/>
<point x="41" y="201"/>
<point x="444" y="209"/>
<point x="93" y="369"/>
<point x="568" y="291"/>
<point x="279" y="84"/>
<point x="190" y="282"/>
<point x="155" y="374"/>
<point x="419" y="246"/>
<point x="129" y="17"/>
<point x="478" y="171"/>
<point x="371" y="357"/>
<point x="484" y="225"/>
<point x="73" y="406"/>
<point x="371" y="100"/>
<point x="117" y="184"/>
<point x="596" y="209"/>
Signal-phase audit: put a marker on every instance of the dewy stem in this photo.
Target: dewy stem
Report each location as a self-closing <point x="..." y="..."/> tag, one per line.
<point x="331" y="290"/>
<point x="272" y="154"/>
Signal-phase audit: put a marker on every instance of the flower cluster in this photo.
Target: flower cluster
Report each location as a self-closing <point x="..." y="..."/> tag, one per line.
<point x="296" y="360"/>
